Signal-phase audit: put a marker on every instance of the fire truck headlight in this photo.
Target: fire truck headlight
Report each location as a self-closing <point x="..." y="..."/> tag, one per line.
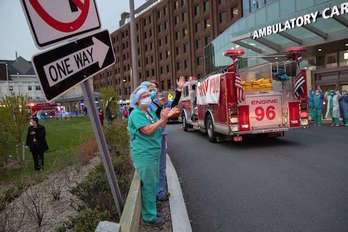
<point x="245" y="126"/>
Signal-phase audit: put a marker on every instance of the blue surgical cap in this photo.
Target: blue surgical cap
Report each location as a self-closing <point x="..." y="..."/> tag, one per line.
<point x="146" y="83"/>
<point x="135" y="96"/>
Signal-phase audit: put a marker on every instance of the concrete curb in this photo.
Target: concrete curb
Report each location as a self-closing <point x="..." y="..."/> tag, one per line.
<point x="132" y="209"/>
<point x="178" y="211"/>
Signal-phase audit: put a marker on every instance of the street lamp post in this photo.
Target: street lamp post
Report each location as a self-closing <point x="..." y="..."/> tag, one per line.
<point x="133" y="45"/>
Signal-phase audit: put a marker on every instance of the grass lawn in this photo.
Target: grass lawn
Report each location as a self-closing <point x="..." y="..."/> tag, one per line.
<point x="63" y="138"/>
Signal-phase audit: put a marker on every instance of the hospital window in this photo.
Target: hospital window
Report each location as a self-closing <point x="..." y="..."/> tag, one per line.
<point x="222" y="16"/>
<point x="206" y="6"/>
<point x="331" y="60"/>
<point x="196" y="10"/>
<point x="343" y="58"/>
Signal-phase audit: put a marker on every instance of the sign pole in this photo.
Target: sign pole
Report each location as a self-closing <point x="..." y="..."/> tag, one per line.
<point x="103" y="148"/>
<point x="133" y="35"/>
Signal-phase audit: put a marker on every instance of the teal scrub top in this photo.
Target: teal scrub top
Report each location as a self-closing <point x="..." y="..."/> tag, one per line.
<point x="144" y="148"/>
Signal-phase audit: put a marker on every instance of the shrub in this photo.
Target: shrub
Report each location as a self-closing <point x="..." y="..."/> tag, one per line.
<point x="117" y="138"/>
<point x="93" y="199"/>
<point x="10" y="195"/>
<point x="3" y="140"/>
<point x="86" y="221"/>
<point x="87" y="151"/>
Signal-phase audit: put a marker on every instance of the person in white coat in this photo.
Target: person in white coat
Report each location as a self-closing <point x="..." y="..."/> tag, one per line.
<point x="333" y="107"/>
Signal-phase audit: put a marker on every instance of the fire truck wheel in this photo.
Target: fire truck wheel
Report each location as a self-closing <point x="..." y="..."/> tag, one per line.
<point x="210" y="129"/>
<point x="184" y="123"/>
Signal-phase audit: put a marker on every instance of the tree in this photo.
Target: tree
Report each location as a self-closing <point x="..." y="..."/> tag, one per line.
<point x="109" y="97"/>
<point x="16" y="118"/>
<point x="108" y="101"/>
<point x="3" y="138"/>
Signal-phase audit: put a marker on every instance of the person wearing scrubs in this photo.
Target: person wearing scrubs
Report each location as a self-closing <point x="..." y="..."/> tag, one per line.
<point x="344" y="107"/>
<point x="318" y="106"/>
<point x="333" y="109"/>
<point x="157" y="105"/>
<point x="310" y="104"/>
<point x="145" y="140"/>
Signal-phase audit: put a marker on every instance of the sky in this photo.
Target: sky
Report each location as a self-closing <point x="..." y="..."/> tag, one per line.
<point x="15" y="34"/>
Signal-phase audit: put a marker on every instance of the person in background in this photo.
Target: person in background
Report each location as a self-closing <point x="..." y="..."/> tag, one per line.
<point x="333" y="108"/>
<point x="36" y="141"/>
<point x="318" y="100"/>
<point x="39" y="115"/>
<point x="101" y="116"/>
<point x="124" y="112"/>
<point x="344" y="107"/>
<point x="310" y="103"/>
<point x="145" y="130"/>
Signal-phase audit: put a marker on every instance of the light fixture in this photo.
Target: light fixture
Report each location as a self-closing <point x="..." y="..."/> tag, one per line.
<point x="346" y="44"/>
<point x="319" y="49"/>
<point x="276" y="58"/>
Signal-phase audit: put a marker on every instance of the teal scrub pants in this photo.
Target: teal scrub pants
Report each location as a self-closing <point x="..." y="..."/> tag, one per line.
<point x="311" y="111"/>
<point x="345" y="120"/>
<point x="317" y="117"/>
<point x="336" y="121"/>
<point x="149" y="175"/>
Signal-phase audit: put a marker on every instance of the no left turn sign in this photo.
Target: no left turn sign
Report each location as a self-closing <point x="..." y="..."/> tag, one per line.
<point x="53" y="21"/>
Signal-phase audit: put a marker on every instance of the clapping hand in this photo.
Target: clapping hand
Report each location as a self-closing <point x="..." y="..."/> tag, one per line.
<point x="172" y="112"/>
<point x="164" y="114"/>
<point x="180" y="83"/>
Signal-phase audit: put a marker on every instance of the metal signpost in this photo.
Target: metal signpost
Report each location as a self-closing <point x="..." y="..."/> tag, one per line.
<point x="64" y="67"/>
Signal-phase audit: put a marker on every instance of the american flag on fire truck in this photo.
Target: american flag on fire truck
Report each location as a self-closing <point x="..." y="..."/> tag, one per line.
<point x="238" y="84"/>
<point x="300" y="80"/>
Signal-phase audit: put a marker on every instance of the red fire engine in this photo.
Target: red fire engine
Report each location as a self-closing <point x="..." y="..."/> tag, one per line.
<point x="270" y="98"/>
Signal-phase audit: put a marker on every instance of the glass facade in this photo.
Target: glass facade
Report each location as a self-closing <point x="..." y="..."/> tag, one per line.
<point x="261" y="14"/>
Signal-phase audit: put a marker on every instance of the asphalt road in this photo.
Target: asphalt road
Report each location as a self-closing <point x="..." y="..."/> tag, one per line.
<point x="298" y="183"/>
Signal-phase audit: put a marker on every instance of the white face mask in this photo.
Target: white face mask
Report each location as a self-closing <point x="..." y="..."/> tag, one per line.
<point x="31" y="123"/>
<point x="146" y="101"/>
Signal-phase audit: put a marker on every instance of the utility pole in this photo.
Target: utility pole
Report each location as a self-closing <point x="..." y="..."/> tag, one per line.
<point x="133" y="45"/>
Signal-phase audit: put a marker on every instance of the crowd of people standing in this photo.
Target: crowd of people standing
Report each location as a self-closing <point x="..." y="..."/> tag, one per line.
<point x="336" y="106"/>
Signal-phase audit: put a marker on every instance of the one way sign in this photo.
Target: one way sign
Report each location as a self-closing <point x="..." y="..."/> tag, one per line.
<point x="64" y="67"/>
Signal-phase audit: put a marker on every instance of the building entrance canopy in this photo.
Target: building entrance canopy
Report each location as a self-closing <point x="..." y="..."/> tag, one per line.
<point x="282" y="24"/>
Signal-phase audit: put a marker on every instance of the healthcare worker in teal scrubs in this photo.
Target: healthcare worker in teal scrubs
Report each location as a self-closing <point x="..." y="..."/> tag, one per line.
<point x="145" y="139"/>
<point x="318" y="100"/>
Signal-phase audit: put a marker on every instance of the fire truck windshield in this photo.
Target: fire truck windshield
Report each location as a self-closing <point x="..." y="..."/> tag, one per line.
<point x="277" y="76"/>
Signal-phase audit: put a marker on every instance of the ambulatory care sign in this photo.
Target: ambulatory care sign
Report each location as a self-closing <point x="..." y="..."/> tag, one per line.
<point x="62" y="68"/>
<point x="302" y="20"/>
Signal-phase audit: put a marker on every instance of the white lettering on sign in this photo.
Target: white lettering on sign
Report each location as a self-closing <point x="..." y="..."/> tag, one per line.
<point x="263" y="102"/>
<point x="65" y="67"/>
<point x="208" y="90"/>
<point x="300" y="21"/>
